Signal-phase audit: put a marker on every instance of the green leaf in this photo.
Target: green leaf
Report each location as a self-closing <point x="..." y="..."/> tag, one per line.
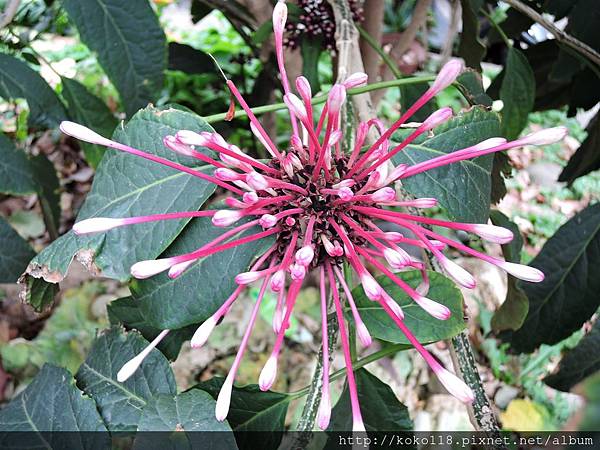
<point x="253" y="410"/>
<point x="52" y="403"/>
<point x="426" y="328"/>
<point x="196" y="294"/>
<point x="16" y="177"/>
<point x="125" y="186"/>
<point x="87" y="109"/>
<point x="471" y="48"/>
<point x="512" y="312"/>
<point x="587" y="157"/>
<point x="311" y="52"/>
<point x="517" y="92"/>
<point x="590" y="416"/>
<point x="127" y="312"/>
<point x="17" y="80"/>
<point x="129" y="42"/>
<point x="380" y="409"/>
<point x="15" y="253"/>
<point x="39" y="293"/>
<point x="121" y="404"/>
<point x="190" y="411"/>
<point x="568" y="296"/>
<point x="463" y="188"/>
<point x="578" y="363"/>
<point x="470" y="84"/>
<point x="188" y="59"/>
<point x="409" y="94"/>
<point x="48" y="192"/>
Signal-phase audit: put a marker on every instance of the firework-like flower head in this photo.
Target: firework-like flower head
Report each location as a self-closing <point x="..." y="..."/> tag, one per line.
<point x="325" y="206"/>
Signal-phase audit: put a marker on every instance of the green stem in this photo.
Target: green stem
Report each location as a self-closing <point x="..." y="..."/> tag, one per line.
<point x="498" y="28"/>
<point x="322" y="98"/>
<point x="392" y="349"/>
<point x="384" y="56"/>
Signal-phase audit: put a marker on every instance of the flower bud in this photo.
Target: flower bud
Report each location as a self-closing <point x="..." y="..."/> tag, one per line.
<point x="355" y="80"/>
<point x="257" y="181"/>
<point x="188" y="137"/>
<point x="295" y="106"/>
<point x="297" y="272"/>
<point x="454" y="385"/>
<point x="435" y="309"/>
<point x="226" y="217"/>
<point x="447" y="75"/>
<point x="396" y="258"/>
<point x="492" y="233"/>
<point x="96" y="224"/>
<point x="363" y="334"/>
<point x="324" y="413"/>
<point x="85" y="134"/>
<point x="279" y="17"/>
<point x="250" y="197"/>
<point x="458" y="274"/>
<point x="386" y="194"/>
<point x="336" y="98"/>
<point x="278" y="280"/>
<point x="146" y="269"/>
<point x="267" y="221"/>
<point x="489" y="143"/>
<point x="345" y="193"/>
<point x="303" y="87"/>
<point x="268" y="374"/>
<point x="224" y="400"/>
<point x="437" y="118"/>
<point x="305" y="255"/>
<point x="545" y="137"/>
<point x="249" y="277"/>
<point x="372" y="289"/>
<point x="203" y="332"/>
<point x="523" y="272"/>
<point x="225" y="174"/>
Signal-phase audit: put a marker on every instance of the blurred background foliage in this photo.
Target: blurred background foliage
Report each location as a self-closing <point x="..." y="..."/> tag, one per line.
<point x="536" y="62"/>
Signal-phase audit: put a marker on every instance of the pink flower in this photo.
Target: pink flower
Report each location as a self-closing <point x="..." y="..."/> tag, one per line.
<point x="320" y="203"/>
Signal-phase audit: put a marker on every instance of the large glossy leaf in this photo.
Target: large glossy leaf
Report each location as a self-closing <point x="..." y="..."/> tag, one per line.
<point x="127" y="311"/>
<point x="253" y="410"/>
<point x="587" y="157"/>
<point x="17" y="80"/>
<point x="202" y="288"/>
<point x="121" y="404"/>
<point x="380" y="409"/>
<point x="125" y="186"/>
<point x="512" y="312"/>
<point x="568" y="296"/>
<point x="578" y="363"/>
<point x="470" y="84"/>
<point x="48" y="192"/>
<point x="517" y="92"/>
<point x="15" y="255"/>
<point x="471" y="48"/>
<point x="16" y="176"/>
<point x="130" y="44"/>
<point x="42" y="415"/>
<point x="462" y="188"/>
<point x="424" y="327"/>
<point x="193" y="412"/>
<point x="87" y="109"/>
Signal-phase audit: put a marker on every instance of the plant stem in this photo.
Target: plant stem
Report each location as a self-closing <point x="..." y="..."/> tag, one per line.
<point x="384" y="56"/>
<point x="561" y="36"/>
<point x="388" y="351"/>
<point x="497" y="27"/>
<point x="322" y="98"/>
<point x="481" y="411"/>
